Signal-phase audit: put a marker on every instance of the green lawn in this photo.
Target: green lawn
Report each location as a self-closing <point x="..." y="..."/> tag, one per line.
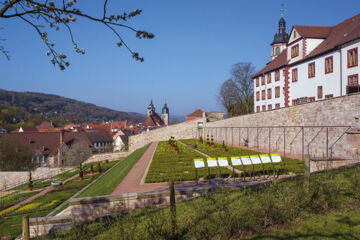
<point x="166" y="165"/>
<point x="107" y="183"/>
<point x="37" y="184"/>
<point x="279" y="210"/>
<point x="286" y="166"/>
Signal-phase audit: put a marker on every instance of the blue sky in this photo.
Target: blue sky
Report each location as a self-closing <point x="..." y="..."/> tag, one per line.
<point x="195" y="45"/>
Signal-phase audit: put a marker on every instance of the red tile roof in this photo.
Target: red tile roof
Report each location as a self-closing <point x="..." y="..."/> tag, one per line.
<point x="277" y="63"/>
<point x="154" y="120"/>
<point x="342" y="33"/>
<point x="312" y="31"/>
<point x="196" y="113"/>
<point x="26" y="129"/>
<point x="46" y="127"/>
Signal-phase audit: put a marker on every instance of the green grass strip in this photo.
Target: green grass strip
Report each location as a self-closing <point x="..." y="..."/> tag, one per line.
<point x="108" y="182"/>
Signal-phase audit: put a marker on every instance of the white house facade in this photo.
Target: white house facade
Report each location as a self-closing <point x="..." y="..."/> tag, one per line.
<point x="312" y="63"/>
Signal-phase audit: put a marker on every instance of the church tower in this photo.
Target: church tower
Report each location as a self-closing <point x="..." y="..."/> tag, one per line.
<point x="165" y="114"/>
<point x="150" y="109"/>
<point x="281" y="38"/>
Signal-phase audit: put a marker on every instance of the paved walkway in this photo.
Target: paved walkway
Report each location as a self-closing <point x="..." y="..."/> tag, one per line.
<point x="43" y="192"/>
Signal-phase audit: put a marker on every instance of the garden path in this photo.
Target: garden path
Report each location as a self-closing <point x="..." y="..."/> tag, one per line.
<point x="43" y="192"/>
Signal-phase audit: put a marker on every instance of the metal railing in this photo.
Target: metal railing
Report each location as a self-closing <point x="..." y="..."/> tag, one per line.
<point x="250" y="137"/>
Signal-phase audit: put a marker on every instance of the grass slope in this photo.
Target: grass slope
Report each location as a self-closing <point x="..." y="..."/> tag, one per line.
<point x="107" y="183"/>
<point x="280" y="210"/>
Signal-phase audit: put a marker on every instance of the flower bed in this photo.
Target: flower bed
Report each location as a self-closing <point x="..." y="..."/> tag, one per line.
<point x="286" y="166"/>
<point x="166" y="165"/>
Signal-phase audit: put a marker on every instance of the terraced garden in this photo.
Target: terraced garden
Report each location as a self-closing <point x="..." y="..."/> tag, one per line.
<point x="286" y="166"/>
<point x="166" y="165"/>
<point x="10" y="219"/>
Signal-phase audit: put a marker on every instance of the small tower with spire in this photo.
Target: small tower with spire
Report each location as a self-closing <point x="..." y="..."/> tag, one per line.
<point x="165" y="114"/>
<point x="150" y="109"/>
<point x="281" y="38"/>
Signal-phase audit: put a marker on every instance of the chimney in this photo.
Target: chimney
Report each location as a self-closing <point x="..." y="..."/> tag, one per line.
<point x="61" y="136"/>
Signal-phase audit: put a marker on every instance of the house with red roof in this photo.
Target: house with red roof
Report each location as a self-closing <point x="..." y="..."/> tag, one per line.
<point x="311" y="63"/>
<point x="49" y="147"/>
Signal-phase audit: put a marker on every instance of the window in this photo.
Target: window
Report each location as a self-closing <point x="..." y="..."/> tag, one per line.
<point x="294" y="75"/>
<point x="257" y="108"/>
<point x="277" y="51"/>
<point x="353" y="57"/>
<point x="257" y="96"/>
<point x="320" y="92"/>
<point x="263" y="108"/>
<point x="262" y="80"/>
<point x="269" y="93"/>
<point x="268" y="78"/>
<point x="269" y="107"/>
<point x="277" y="105"/>
<point x="353" y="80"/>
<point x="277" y="75"/>
<point x="263" y="95"/>
<point x="257" y="81"/>
<point x="277" y="92"/>
<point x="284" y="73"/>
<point x="295" y="51"/>
<point x="329" y="96"/>
<point x="294" y="34"/>
<point x="329" y="65"/>
<point x="311" y="70"/>
<point x="294" y="101"/>
<point x="311" y="99"/>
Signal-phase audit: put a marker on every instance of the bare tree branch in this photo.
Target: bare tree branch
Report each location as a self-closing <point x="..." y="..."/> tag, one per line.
<point x="34" y="12"/>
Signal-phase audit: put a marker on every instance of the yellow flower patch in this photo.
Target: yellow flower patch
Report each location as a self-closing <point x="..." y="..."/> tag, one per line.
<point x="10" y="209"/>
<point x="28" y="207"/>
<point x="53" y="202"/>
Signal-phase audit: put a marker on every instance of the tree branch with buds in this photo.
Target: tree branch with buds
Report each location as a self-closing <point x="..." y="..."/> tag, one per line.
<point x="45" y="15"/>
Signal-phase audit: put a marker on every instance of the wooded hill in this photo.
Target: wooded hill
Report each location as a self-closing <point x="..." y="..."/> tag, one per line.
<point x="57" y="107"/>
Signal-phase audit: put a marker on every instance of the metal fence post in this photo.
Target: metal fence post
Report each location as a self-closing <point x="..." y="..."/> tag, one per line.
<point x="307" y="174"/>
<point x="327" y="143"/>
<point x="303" y="139"/>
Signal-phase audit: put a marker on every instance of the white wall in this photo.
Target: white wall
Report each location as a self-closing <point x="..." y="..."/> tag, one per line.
<point x="345" y="70"/>
<point x="311" y="44"/>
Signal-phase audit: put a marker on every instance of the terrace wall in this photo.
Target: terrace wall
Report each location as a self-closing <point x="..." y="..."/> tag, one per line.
<point x="337" y="111"/>
<point x="179" y="131"/>
<point x="343" y="111"/>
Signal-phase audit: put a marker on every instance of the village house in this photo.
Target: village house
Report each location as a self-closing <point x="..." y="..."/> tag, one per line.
<point x="48" y="148"/>
<point x="311" y="63"/>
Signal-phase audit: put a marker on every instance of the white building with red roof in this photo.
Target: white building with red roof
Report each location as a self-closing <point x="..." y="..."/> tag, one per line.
<point x="312" y="63"/>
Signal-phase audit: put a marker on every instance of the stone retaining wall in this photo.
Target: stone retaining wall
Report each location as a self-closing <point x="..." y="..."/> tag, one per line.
<point x="106" y="156"/>
<point x="179" y="131"/>
<point x="344" y="111"/>
<point x="13" y="179"/>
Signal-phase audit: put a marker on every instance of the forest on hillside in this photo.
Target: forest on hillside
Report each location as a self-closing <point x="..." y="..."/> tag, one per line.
<point x="47" y="106"/>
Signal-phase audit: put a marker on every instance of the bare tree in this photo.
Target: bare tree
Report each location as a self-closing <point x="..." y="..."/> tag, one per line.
<point x="43" y="15"/>
<point x="77" y="154"/>
<point x="236" y="93"/>
<point x="15" y="157"/>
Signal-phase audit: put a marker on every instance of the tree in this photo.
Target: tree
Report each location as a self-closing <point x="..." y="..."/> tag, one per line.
<point x="236" y="93"/>
<point x="43" y="15"/>
<point x="77" y="154"/>
<point x="15" y="157"/>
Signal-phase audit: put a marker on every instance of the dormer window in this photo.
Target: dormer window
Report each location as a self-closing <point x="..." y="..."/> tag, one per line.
<point x="277" y="51"/>
<point x="295" y="51"/>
